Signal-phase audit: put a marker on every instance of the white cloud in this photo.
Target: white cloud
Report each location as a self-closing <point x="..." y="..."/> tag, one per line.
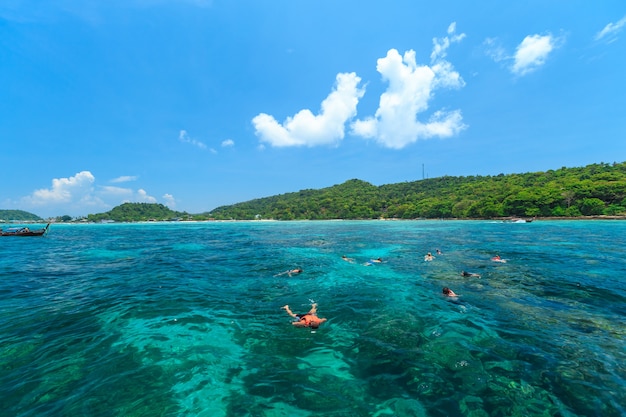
<point x="611" y="30"/>
<point x="118" y="195"/>
<point x="170" y="201"/>
<point x="115" y="191"/>
<point x="532" y="53"/>
<point x="410" y="89"/>
<point x="184" y="137"/>
<point x="307" y="129"/>
<point x="441" y="45"/>
<point x="494" y="50"/>
<point x="74" y="195"/>
<point x="124" y="178"/>
<point x="64" y="190"/>
<point x="143" y="197"/>
<point x="228" y="143"/>
<point x="79" y="195"/>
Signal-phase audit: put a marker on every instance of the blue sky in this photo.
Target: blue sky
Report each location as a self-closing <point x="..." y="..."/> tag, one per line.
<point x="201" y="103"/>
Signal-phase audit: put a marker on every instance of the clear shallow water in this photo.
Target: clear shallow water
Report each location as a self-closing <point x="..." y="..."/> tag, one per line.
<point x="185" y="320"/>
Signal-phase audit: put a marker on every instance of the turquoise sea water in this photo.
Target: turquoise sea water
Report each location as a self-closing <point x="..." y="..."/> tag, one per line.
<point x="184" y="319"/>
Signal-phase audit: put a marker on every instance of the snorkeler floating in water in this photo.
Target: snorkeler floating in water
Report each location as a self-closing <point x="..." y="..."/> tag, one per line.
<point x="497" y="258"/>
<point x="290" y="272"/>
<point x="309" y="319"/>
<point x="469" y="274"/>
<point x="448" y="292"/>
<point x="294" y="271"/>
<point x="374" y="261"/>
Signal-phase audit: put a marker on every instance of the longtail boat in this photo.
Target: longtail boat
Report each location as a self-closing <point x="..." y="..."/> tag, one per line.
<point x="24" y="231"/>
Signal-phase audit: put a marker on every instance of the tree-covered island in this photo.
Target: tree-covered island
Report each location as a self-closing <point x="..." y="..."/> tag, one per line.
<point x="594" y="190"/>
<point x="139" y="212"/>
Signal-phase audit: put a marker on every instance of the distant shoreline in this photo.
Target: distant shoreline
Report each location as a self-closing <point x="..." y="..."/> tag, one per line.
<point x="495" y="219"/>
<point x="598" y="217"/>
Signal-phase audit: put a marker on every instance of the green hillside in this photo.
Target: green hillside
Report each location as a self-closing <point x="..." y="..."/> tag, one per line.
<point x="597" y="189"/>
<point x="135" y="212"/>
<point x="18" y="216"/>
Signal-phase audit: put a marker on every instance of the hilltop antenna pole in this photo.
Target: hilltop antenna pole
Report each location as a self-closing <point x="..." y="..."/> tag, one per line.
<point x="422" y="171"/>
